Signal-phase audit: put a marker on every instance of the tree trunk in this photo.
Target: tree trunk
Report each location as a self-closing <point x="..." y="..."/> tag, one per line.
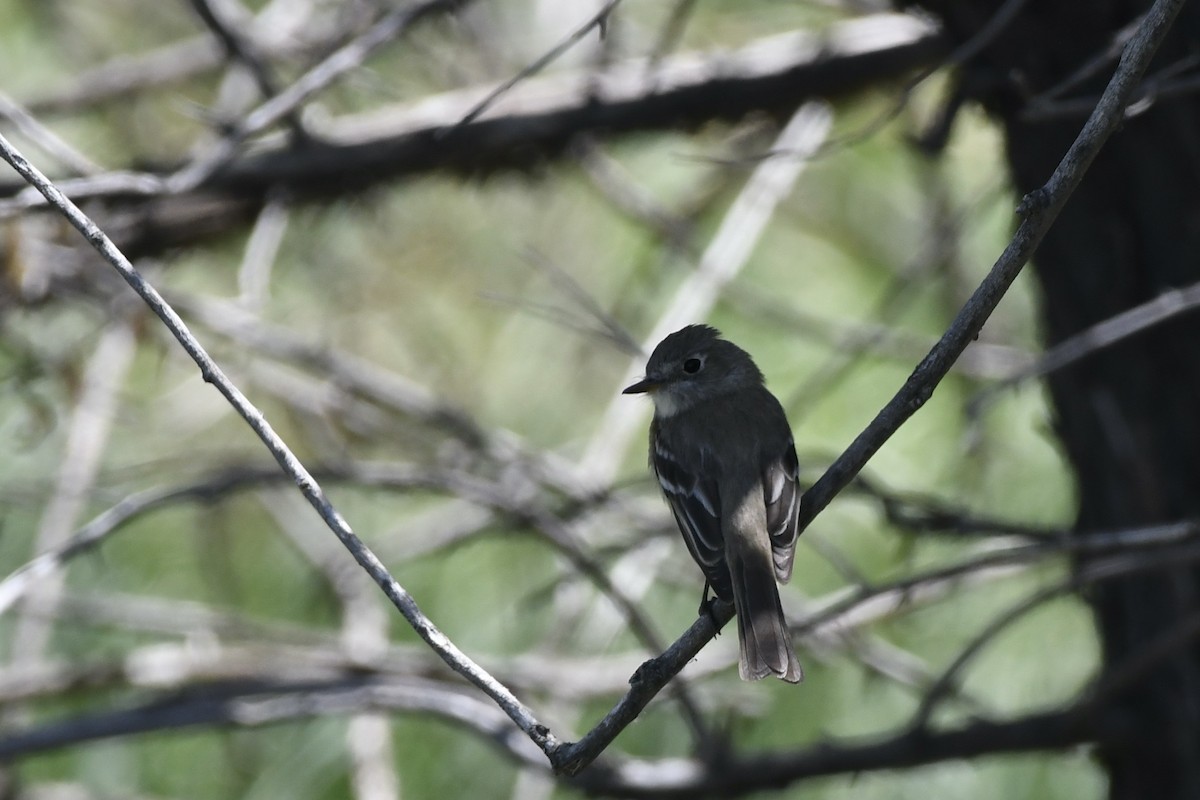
<point x="1128" y="416"/>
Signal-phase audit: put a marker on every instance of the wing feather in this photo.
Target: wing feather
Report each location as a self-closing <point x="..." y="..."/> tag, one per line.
<point x="781" y="492"/>
<point x="696" y="504"/>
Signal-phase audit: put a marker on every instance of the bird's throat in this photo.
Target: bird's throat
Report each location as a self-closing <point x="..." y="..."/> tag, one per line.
<point x="666" y="404"/>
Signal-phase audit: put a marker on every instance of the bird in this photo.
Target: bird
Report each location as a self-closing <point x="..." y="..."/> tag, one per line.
<point x="722" y="451"/>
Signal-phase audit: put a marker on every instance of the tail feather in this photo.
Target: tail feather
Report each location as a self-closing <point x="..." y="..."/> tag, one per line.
<point x="766" y="643"/>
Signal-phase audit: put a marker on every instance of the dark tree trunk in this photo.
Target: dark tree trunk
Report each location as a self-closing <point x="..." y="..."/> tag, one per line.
<point x="1129" y="417"/>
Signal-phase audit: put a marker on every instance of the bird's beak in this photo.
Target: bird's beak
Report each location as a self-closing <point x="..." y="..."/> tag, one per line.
<point x="642" y="386"/>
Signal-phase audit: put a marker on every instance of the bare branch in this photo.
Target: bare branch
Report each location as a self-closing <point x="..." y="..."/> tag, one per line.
<point x="540" y="63"/>
<point x="236" y="45"/>
<point x="1039" y="210"/>
<point x="212" y="373"/>
<point x="299" y="91"/>
<point x="1095" y="339"/>
<point x="254" y="273"/>
<point x="687" y="778"/>
<point x="535" y="121"/>
<point x="277" y="31"/>
<point x="50" y="142"/>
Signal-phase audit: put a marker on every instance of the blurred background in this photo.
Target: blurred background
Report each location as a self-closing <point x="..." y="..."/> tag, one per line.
<point x="434" y="265"/>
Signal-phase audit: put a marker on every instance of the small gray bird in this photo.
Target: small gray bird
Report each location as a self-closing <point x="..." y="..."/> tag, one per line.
<point x="722" y="450"/>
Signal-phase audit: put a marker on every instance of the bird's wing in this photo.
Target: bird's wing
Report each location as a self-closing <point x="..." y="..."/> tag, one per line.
<point x="781" y="491"/>
<point x="696" y="503"/>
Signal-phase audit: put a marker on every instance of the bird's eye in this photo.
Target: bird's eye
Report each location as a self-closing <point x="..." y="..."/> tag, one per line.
<point x="692" y="366"/>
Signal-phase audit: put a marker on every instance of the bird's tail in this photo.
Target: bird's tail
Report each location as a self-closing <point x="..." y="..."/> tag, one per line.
<point x="766" y="644"/>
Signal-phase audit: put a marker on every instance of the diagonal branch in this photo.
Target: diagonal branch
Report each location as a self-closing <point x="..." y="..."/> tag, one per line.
<point x="455" y="658"/>
<point x="1131" y="322"/>
<point x="297" y="93"/>
<point x="1039" y="209"/>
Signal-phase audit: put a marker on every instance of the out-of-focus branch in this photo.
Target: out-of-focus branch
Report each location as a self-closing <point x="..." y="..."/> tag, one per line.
<point x="50" y="142"/>
<point x="91" y="424"/>
<point x="916" y="513"/>
<point x="670" y="779"/>
<point x="534" y="122"/>
<point x="388" y="389"/>
<point x="364" y="636"/>
<point x="280" y="106"/>
<point x="1095" y="339"/>
<point x="253" y="704"/>
<point x="283" y="29"/>
<point x="1110" y="556"/>
<point x="236" y="45"/>
<point x="598" y="20"/>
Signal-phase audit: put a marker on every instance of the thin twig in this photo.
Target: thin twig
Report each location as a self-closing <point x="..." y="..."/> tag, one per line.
<point x="282" y="29"/>
<point x="596" y="21"/>
<point x="49" y="141"/>
<point x="388" y="389"/>
<point x="1096" y="338"/>
<point x="1100" y="570"/>
<point x="241" y="49"/>
<point x="299" y="91"/>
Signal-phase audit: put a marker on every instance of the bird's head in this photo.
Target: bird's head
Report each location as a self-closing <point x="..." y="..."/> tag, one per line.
<point x="692" y="365"/>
